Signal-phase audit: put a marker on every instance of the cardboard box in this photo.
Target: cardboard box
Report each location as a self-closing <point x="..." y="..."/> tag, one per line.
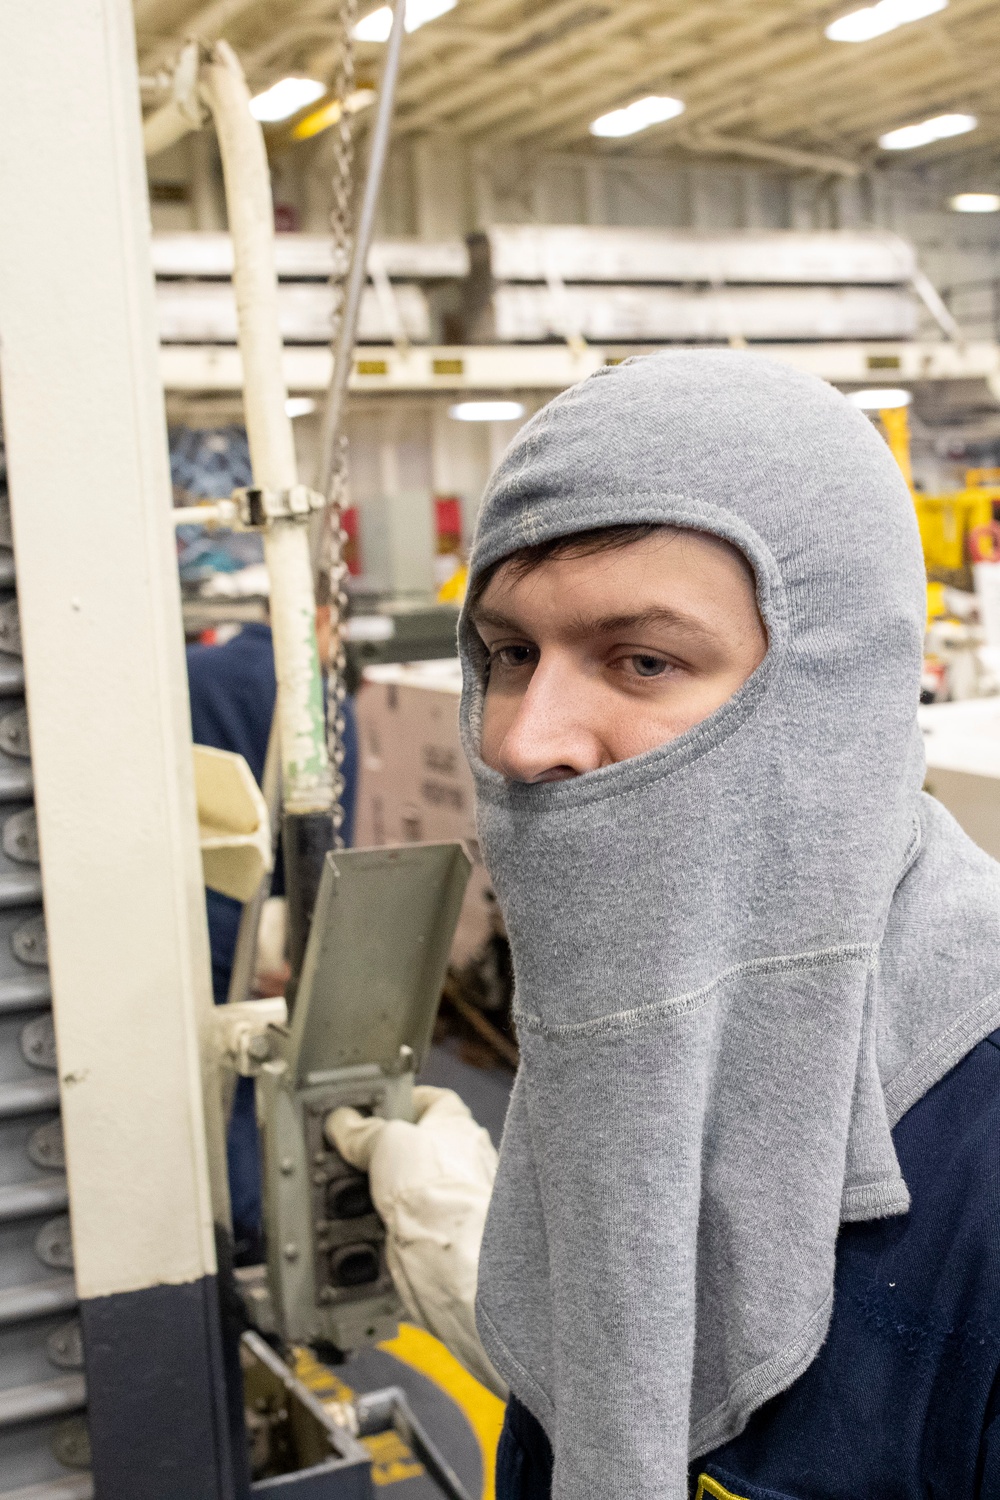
<point x="962" y="744"/>
<point x="414" y="784"/>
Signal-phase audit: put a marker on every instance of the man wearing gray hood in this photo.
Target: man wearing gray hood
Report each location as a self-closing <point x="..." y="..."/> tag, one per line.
<point x="744" y="1238"/>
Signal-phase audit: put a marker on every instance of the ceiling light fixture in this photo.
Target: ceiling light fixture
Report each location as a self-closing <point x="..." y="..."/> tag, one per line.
<point x="299" y="406"/>
<point x="975" y="203"/>
<point x="284" y="98"/>
<point x="375" y="27"/>
<point x="652" y="110"/>
<point x="486" y="411"/>
<point x="884" y="398"/>
<point x="908" y="137"/>
<point x="329" y="114"/>
<point x="876" y="20"/>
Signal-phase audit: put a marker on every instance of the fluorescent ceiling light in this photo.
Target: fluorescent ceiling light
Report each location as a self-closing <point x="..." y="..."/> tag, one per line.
<point x="975" y="203"/>
<point x="284" y="98"/>
<point x="937" y="129"/>
<point x="652" y="110"/>
<point x="883" y="398"/>
<point x="486" y="411"/>
<point x="375" y="27"/>
<point x="876" y="20"/>
<point x="299" y="406"/>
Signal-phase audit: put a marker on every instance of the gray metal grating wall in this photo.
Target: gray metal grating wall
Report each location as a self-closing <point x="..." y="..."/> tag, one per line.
<point x="44" y="1449"/>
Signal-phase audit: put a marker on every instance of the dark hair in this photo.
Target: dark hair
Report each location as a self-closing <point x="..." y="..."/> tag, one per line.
<point x="577" y="544"/>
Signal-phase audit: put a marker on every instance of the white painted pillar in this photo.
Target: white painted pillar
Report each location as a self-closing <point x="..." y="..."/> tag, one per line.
<point x="595" y="191"/>
<point x="440" y="187"/>
<point x="207" y="204"/>
<point x="110" y="729"/>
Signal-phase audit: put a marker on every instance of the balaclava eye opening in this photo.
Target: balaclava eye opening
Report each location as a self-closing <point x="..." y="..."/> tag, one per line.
<point x="726" y="989"/>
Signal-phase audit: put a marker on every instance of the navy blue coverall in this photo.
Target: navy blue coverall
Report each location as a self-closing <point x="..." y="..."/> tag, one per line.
<point x="903" y="1400"/>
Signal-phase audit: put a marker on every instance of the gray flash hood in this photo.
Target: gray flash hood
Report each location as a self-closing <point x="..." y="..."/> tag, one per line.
<point x="740" y="957"/>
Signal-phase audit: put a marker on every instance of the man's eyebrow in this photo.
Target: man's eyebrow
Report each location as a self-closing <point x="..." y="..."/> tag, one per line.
<point x="677" y="619"/>
<point x="588" y="625"/>
<point x="494" y="618"/>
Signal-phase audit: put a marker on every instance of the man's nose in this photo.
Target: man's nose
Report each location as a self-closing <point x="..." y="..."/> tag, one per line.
<point x="552" y="729"/>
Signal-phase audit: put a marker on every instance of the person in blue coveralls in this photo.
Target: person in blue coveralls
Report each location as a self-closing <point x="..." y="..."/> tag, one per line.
<point x="742" y="1241"/>
<point x="232" y="692"/>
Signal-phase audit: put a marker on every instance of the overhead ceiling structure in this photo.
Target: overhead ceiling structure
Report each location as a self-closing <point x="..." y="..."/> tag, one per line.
<point x="758" y="78"/>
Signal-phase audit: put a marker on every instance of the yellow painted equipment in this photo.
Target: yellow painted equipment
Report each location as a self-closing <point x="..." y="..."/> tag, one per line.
<point x="896" y="426"/>
<point x="945" y="521"/>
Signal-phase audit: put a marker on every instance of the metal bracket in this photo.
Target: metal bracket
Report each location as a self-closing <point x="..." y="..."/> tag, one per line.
<point x="185" y="85"/>
<point x="389" y="1410"/>
<point x="242" y="1034"/>
<point x="259" y="507"/>
<point x="184" y="110"/>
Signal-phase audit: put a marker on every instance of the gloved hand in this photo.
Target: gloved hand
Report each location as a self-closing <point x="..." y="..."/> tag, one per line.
<point x="431" y="1183"/>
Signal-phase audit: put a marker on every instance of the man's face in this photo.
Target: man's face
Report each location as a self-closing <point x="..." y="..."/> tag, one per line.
<point x="598" y="658"/>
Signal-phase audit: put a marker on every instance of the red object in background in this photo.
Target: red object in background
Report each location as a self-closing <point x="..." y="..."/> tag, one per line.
<point x="984" y="543"/>
<point x="352" y="547"/>
<point x="286" y="218"/>
<point x="448" y="523"/>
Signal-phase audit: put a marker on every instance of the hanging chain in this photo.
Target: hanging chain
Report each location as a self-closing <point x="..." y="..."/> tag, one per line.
<point x="341" y="225"/>
<point x="341" y="217"/>
<point x="336" y="681"/>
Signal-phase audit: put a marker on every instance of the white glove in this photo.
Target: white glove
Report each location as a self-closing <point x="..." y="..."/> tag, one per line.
<point x="431" y="1183"/>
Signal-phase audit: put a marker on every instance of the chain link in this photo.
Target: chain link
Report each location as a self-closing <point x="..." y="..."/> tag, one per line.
<point x="342" y="185"/>
<point x="341" y="226"/>
<point x="336" y="686"/>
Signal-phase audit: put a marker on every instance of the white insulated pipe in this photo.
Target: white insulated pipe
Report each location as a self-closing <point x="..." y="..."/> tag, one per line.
<point x="215" y="513"/>
<point x="305" y="766"/>
<point x="183" y="112"/>
<point x="164" y="127"/>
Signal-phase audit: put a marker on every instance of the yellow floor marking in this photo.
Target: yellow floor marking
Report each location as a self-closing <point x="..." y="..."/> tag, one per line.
<point x="318" y="1378"/>
<point x="483" y="1411"/>
<point x="392" y="1460"/>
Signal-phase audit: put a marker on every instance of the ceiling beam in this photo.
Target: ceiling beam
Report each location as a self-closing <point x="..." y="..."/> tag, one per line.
<point x="787" y="156"/>
<point x="530" y="106"/>
<point x="753" y="47"/>
<point x="209" y="23"/>
<point x="524" y="77"/>
<point x="799" y="91"/>
<point x="759" y="81"/>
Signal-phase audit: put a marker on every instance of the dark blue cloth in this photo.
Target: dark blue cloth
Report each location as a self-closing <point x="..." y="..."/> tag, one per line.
<point x="232" y="690"/>
<point x="903" y="1400"/>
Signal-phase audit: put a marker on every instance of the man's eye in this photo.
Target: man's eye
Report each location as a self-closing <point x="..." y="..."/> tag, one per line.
<point x="512" y="656"/>
<point x="648" y="666"/>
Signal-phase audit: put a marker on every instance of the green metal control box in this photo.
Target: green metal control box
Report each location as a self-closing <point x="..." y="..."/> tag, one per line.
<point x="359" y="1031"/>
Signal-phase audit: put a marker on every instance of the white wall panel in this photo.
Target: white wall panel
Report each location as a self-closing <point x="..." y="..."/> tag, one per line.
<point x="524" y="313"/>
<point x="100" y="614"/>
